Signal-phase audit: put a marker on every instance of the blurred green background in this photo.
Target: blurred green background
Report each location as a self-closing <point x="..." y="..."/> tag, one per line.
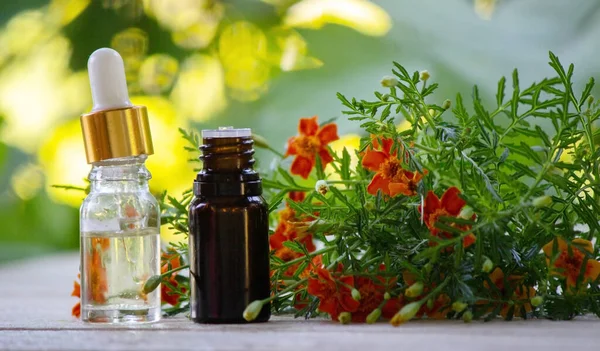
<point x="248" y="63"/>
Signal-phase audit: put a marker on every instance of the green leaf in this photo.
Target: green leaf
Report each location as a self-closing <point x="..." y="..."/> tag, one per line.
<point x="500" y="93"/>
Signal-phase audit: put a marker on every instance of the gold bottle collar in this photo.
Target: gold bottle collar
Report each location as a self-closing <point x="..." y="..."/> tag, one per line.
<point x="116" y="133"/>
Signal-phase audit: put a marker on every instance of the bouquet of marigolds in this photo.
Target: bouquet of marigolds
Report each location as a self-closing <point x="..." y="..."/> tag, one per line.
<point x="443" y="211"/>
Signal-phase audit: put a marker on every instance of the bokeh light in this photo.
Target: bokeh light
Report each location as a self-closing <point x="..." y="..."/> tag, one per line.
<point x="38" y="90"/>
<point x="157" y="73"/>
<point x="485" y="8"/>
<point x="360" y="15"/>
<point x="27" y="180"/>
<point x="200" y="88"/>
<point x="351" y="142"/>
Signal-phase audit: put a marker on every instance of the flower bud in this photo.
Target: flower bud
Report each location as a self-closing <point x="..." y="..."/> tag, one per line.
<point x="374" y="316"/>
<point x="414" y="290"/>
<point x="430" y="304"/>
<point x="459" y="306"/>
<point x="590" y="100"/>
<point x="369" y="206"/>
<point x="542" y="201"/>
<point x="466" y="213"/>
<point x="345" y="317"/>
<point x="260" y="141"/>
<point x="321" y="187"/>
<point x="152" y="283"/>
<point x="487" y="266"/>
<point x="467" y="316"/>
<point x="425" y="75"/>
<point x="428" y="267"/>
<point x="388" y="82"/>
<point x="385" y="97"/>
<point x="253" y="309"/>
<point x="355" y="294"/>
<point x="537" y="301"/>
<point x="406" y="313"/>
<point x="446" y="105"/>
<point x="387" y="296"/>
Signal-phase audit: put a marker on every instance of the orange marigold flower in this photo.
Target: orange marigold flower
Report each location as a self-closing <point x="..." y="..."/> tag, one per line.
<point x="334" y="295"/>
<point x="372" y="295"/>
<point x="297" y="196"/>
<point x="570" y="259"/>
<point x="171" y="260"/>
<point x="510" y="288"/>
<point x="287" y="229"/>
<point x="96" y="279"/>
<point x="392" y="306"/>
<point x="408" y="184"/>
<point x="311" y="142"/>
<point x="300" y="299"/>
<point x="76" y="311"/>
<point x="390" y="177"/>
<point x="449" y="205"/>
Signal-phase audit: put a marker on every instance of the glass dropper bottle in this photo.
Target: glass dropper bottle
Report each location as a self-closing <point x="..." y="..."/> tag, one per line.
<point x="229" y="231"/>
<point x="119" y="219"/>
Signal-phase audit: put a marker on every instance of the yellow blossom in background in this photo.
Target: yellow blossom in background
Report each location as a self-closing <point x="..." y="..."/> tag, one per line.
<point x="38" y="90"/>
<point x="294" y="52"/>
<point x="360" y="15"/>
<point x="27" y="180"/>
<point x="132" y="45"/>
<point x="157" y="73"/>
<point x="22" y="32"/>
<point x="62" y="156"/>
<point x="199" y="92"/>
<point x="352" y="143"/>
<point x="65" y="11"/>
<point x="243" y="53"/>
<point x="193" y="23"/>
<point x="169" y="157"/>
<point x="485" y="8"/>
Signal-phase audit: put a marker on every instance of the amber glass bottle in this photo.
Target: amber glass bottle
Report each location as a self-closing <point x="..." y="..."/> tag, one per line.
<point x="228" y="242"/>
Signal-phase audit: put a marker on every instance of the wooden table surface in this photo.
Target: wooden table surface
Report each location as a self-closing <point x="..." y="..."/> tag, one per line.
<point x="35" y="309"/>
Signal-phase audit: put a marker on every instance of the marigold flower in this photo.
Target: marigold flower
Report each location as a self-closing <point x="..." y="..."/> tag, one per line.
<point x="569" y="262"/>
<point x="96" y="279"/>
<point x="76" y="311"/>
<point x="390" y="177"/>
<point x="408" y="184"/>
<point x="334" y="294"/>
<point x="286" y="230"/>
<point x="311" y="142"/>
<point x="450" y="205"/>
<point x="511" y="288"/>
<point x="171" y="260"/>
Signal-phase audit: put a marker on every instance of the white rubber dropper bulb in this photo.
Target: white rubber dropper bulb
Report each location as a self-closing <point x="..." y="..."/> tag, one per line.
<point x="107" y="80"/>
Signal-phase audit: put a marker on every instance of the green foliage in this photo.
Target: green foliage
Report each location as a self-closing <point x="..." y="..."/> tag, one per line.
<point x="525" y="184"/>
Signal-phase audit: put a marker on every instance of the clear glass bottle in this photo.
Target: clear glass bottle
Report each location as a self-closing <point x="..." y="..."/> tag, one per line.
<point x="120" y="243"/>
<point x="119" y="219"/>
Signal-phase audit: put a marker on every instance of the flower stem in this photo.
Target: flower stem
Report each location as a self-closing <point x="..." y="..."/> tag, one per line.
<point x="303" y="258"/>
<point x="284" y="291"/>
<point x="175" y="270"/>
